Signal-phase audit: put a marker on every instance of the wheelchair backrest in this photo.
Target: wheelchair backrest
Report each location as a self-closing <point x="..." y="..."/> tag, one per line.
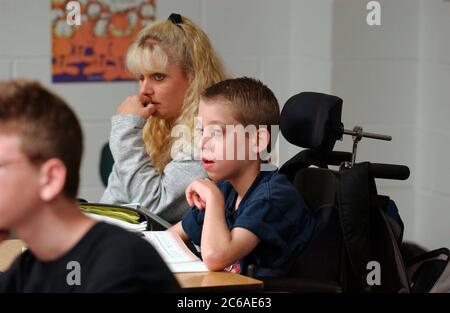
<point x="326" y="243"/>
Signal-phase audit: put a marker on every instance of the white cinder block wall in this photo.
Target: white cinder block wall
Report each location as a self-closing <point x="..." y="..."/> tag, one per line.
<point x="432" y="218"/>
<point x="26" y="53"/>
<point x="375" y="71"/>
<point x="393" y="78"/>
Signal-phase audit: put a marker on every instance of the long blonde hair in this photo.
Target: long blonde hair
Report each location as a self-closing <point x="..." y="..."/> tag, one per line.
<point x="189" y="47"/>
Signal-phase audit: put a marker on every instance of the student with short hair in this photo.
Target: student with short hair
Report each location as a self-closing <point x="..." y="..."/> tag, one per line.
<point x="250" y="216"/>
<point x="40" y="154"/>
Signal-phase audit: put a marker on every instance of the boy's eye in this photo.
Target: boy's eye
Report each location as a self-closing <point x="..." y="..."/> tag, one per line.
<point x="141" y="77"/>
<point x="214" y="131"/>
<point x="159" y="76"/>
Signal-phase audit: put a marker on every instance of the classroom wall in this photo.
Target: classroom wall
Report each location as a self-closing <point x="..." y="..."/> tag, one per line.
<point x="392" y="78"/>
<point x="25" y="53"/>
<point x="375" y="71"/>
<point x="433" y="137"/>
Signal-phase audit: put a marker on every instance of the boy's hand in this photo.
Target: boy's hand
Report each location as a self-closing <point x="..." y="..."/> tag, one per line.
<point x="203" y="192"/>
<point x="137" y="105"/>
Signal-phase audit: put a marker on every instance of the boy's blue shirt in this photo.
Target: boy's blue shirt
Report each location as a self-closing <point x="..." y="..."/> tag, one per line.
<point x="274" y="211"/>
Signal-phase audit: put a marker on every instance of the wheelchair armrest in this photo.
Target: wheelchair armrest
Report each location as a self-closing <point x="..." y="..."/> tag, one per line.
<point x="290" y="284"/>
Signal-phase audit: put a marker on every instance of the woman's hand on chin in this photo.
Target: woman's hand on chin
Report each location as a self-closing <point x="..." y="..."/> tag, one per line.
<point x="136" y="105"/>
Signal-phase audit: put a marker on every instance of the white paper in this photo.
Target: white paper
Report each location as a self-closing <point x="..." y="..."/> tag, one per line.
<point x="197" y="266"/>
<point x="174" y="252"/>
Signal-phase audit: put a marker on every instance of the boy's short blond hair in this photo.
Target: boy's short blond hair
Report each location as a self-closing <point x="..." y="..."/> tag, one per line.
<point x="251" y="102"/>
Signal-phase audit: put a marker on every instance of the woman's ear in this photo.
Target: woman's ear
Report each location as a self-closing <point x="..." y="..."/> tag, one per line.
<point x="190" y="77"/>
<point x="53" y="175"/>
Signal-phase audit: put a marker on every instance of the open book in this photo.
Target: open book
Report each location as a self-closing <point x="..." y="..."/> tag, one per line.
<point x="131" y="216"/>
<point x="175" y="252"/>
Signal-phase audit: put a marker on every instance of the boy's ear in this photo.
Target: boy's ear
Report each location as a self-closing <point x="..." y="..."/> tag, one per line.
<point x="262" y="140"/>
<point x="53" y="175"/>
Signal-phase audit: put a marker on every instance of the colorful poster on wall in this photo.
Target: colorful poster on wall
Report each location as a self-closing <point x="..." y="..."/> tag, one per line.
<point x="95" y="49"/>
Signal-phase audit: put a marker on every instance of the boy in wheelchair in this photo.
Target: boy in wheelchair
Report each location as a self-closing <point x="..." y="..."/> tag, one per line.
<point x="241" y="215"/>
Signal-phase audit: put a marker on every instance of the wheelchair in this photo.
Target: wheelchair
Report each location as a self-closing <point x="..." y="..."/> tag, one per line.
<point x="358" y="238"/>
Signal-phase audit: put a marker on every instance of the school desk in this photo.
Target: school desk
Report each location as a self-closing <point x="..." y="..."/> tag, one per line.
<point x="9" y="250"/>
<point x="209" y="281"/>
<point x="217" y="281"/>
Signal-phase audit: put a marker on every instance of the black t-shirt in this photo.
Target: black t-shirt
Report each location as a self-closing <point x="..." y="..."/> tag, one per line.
<point x="106" y="259"/>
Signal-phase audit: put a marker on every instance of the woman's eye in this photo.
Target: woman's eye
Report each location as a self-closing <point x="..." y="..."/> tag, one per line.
<point x="159" y="77"/>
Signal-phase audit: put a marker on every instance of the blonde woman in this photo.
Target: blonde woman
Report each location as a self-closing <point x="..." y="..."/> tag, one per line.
<point x="174" y="62"/>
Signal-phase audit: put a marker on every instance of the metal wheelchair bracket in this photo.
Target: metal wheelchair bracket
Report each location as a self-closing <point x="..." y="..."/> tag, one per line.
<point x="357" y="134"/>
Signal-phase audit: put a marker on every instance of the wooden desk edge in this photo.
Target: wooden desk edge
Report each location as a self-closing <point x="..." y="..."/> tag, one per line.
<point x="205" y="280"/>
<point x="9" y="250"/>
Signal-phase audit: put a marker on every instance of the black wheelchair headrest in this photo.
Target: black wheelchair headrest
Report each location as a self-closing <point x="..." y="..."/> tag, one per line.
<point x="312" y="120"/>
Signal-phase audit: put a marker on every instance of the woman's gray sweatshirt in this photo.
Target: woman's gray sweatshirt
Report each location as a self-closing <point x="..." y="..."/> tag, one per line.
<point x="134" y="179"/>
